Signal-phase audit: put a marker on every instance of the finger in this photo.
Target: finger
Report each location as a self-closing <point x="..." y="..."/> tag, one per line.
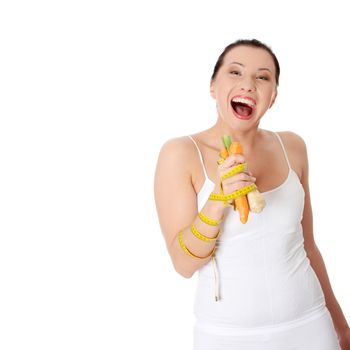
<point x="232" y="160"/>
<point x="248" y="177"/>
<point x="243" y="176"/>
<point x="231" y="184"/>
<point x="238" y="177"/>
<point x="235" y="186"/>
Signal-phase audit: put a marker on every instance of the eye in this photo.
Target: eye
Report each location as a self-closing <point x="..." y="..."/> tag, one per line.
<point x="235" y="72"/>
<point x="264" y="78"/>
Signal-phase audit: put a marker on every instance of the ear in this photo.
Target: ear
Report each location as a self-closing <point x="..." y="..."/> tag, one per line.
<point x="212" y="90"/>
<point x="273" y="98"/>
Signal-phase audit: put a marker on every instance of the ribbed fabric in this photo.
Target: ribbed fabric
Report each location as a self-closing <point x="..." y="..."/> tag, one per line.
<point x="264" y="277"/>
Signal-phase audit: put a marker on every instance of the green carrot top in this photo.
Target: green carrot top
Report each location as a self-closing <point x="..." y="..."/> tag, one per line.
<point x="226" y="139"/>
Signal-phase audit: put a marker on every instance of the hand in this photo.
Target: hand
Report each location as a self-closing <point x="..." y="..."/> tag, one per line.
<point x="234" y="182"/>
<point x="344" y="340"/>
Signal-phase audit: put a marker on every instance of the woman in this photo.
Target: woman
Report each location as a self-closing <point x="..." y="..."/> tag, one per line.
<point x="262" y="284"/>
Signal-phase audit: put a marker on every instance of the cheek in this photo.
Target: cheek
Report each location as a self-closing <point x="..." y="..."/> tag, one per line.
<point x="273" y="96"/>
<point x="269" y="95"/>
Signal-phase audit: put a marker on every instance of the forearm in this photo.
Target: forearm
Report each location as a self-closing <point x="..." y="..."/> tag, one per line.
<point x="183" y="262"/>
<point x="333" y="306"/>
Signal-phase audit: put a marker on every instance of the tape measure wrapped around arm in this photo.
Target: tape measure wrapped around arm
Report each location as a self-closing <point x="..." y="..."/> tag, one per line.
<point x="253" y="200"/>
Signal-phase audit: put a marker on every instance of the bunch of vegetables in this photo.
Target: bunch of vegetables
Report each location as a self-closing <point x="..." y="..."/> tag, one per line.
<point x="253" y="201"/>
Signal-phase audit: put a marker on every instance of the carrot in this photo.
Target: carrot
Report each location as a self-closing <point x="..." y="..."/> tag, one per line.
<point x="241" y="203"/>
<point x="253" y="201"/>
<point x="222" y="156"/>
<point x="224" y="153"/>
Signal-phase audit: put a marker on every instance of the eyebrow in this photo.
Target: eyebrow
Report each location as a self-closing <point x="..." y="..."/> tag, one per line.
<point x="240" y="64"/>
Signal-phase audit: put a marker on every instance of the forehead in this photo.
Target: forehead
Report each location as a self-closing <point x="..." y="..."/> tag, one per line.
<point x="251" y="57"/>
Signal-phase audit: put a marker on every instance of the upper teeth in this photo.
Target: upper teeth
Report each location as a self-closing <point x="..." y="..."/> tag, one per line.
<point x="244" y="100"/>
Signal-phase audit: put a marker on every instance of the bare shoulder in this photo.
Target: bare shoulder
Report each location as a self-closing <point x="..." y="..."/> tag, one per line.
<point x="296" y="143"/>
<point x="176" y="160"/>
<point x="179" y="152"/>
<point x="293" y="139"/>
<point x="297" y="151"/>
<point x="177" y="144"/>
<point x="175" y="196"/>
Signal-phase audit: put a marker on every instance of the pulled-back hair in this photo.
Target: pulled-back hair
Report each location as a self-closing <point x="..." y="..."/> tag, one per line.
<point x="246" y="42"/>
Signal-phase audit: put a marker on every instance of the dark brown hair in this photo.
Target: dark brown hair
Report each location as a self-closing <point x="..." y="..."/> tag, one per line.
<point x="246" y="42"/>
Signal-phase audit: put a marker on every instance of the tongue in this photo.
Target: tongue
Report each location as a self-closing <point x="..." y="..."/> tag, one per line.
<point x="242" y="110"/>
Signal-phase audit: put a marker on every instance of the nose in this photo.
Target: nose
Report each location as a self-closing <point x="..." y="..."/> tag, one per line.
<point x="248" y="85"/>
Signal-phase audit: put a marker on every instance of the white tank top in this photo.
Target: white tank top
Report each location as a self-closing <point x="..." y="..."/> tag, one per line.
<point x="261" y="270"/>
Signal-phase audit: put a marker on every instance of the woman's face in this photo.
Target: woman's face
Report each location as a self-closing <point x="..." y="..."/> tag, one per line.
<point x="245" y="86"/>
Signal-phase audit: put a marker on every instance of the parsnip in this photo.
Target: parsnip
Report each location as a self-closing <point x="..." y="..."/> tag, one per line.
<point x="256" y="201"/>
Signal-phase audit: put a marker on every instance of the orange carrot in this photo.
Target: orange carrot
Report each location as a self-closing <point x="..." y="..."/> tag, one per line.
<point x="241" y="203"/>
<point x="224" y="153"/>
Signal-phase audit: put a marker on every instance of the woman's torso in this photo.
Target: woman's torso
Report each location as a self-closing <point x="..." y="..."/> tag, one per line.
<point x="264" y="275"/>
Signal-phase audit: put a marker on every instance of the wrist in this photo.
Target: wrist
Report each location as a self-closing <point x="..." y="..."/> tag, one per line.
<point x="214" y="209"/>
<point x="219" y="191"/>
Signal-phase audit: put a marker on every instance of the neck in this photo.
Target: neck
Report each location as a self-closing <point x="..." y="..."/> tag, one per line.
<point x="247" y="138"/>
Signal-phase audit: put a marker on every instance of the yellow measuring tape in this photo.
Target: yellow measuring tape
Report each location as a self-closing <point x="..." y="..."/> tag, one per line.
<point x="183" y="246"/>
<point x="237" y="169"/>
<point x="238" y="193"/>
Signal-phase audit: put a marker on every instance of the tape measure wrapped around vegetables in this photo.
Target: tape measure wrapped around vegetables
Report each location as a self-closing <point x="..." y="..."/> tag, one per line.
<point x="252" y="201"/>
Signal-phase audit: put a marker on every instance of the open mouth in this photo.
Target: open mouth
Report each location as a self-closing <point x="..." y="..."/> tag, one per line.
<point x="242" y="107"/>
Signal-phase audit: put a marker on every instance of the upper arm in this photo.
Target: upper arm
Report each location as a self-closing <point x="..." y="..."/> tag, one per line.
<point x="175" y="197"/>
<point x="300" y="148"/>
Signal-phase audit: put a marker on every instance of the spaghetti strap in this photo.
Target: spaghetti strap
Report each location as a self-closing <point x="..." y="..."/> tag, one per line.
<point x="200" y="156"/>
<point x="284" y="150"/>
<point x="215" y="268"/>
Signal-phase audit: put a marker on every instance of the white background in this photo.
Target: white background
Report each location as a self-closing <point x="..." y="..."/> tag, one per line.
<point x="90" y="90"/>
